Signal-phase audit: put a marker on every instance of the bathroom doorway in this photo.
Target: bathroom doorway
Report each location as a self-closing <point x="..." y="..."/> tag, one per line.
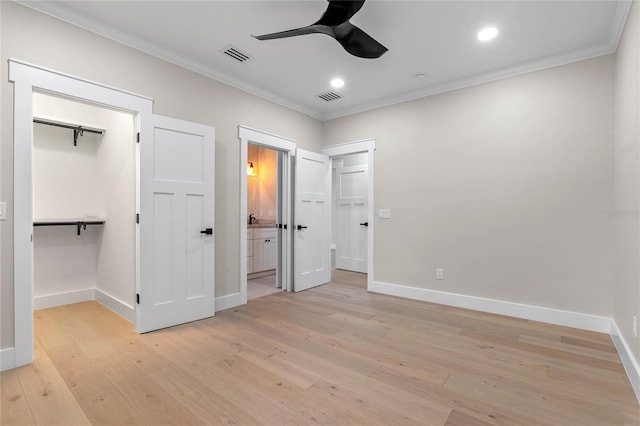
<point x="262" y="214"/>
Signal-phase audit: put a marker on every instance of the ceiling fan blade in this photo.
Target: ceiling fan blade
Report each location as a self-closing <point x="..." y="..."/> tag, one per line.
<point x="339" y="12"/>
<point x="335" y="23"/>
<point x="311" y="29"/>
<point x="357" y="42"/>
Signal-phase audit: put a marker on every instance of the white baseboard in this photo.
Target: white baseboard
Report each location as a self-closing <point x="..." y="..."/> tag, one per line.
<point x="126" y="311"/>
<point x="530" y="312"/>
<point x="229" y="301"/>
<point x="628" y="360"/>
<point x="59" y="299"/>
<point x="7" y="358"/>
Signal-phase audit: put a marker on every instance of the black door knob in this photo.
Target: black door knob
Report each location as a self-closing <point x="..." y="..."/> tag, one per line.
<point x="364" y="224"/>
<point x="301" y="227"/>
<point x="208" y="231"/>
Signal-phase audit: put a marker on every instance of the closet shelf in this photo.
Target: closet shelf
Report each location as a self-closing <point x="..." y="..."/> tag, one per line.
<point x="78" y="129"/>
<point x="80" y="223"/>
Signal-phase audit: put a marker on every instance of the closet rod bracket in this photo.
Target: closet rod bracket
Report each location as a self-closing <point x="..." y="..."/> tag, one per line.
<point x="77" y="132"/>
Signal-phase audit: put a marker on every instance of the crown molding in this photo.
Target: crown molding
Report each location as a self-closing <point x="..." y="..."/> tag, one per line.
<point x="60" y="11"/>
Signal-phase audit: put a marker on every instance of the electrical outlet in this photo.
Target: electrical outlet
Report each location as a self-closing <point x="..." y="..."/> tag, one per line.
<point x="439" y="274"/>
<point x="635" y="326"/>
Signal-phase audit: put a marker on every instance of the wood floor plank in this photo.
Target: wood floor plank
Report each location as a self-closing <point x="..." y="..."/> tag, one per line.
<point x="49" y="398"/>
<point x="335" y="355"/>
<point x="14" y="409"/>
<point x="207" y="405"/>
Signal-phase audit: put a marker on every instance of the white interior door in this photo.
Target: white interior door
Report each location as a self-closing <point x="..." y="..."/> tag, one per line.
<point x="352" y="222"/>
<point x="312" y="220"/>
<point x="176" y="224"/>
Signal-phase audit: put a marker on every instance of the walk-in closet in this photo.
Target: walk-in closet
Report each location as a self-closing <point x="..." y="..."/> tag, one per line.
<point x="84" y="203"/>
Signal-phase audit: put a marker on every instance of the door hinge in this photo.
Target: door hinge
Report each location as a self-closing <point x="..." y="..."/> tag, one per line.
<point x="137" y="217"/>
<point x="138" y="298"/>
<point x="138" y="137"/>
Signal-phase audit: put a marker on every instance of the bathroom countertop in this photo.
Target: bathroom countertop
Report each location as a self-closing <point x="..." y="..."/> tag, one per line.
<point x="261" y="225"/>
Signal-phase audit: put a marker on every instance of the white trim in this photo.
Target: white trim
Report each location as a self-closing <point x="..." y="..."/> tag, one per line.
<point x="628" y="360"/>
<point x="350" y="147"/>
<point x="500" y="307"/>
<point x="368" y="146"/>
<point x="27" y="78"/>
<point x="121" y="308"/>
<point x="7" y="358"/>
<point x="59" y="299"/>
<point x="229" y="301"/>
<point x="50" y="71"/>
<point x="269" y="140"/>
<point x="248" y="135"/>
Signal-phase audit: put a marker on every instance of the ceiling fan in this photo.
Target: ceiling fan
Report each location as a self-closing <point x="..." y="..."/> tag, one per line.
<point x="334" y="22"/>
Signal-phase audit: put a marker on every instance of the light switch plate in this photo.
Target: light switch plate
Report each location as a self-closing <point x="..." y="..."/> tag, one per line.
<point x="384" y="214"/>
<point x="3" y="210"/>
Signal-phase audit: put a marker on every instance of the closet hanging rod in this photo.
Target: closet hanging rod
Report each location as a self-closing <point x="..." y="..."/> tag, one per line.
<point x="78" y="130"/>
<point x="80" y="224"/>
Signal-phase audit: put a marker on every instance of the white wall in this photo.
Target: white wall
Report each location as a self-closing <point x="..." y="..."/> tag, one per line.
<point x="34" y="37"/>
<point x="504" y="185"/>
<point x="115" y="269"/>
<point x="65" y="185"/>
<point x="626" y="178"/>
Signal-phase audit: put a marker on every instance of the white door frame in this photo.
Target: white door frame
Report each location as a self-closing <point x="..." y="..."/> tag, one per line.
<point x="368" y="146"/>
<point x="248" y="135"/>
<point x="27" y="78"/>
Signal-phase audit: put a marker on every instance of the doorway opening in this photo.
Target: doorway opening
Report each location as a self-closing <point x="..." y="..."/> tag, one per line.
<point x="280" y="251"/>
<point x="84" y="199"/>
<point x="349" y="212"/>
<point x="352" y="181"/>
<point x="263" y="188"/>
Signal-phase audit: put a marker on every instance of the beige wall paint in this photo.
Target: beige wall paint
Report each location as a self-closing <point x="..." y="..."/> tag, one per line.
<point x="626" y="176"/>
<point x="504" y="185"/>
<point x="33" y="37"/>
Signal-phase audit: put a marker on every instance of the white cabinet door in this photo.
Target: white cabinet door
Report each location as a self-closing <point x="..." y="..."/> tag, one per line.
<point x="271" y="253"/>
<point x="259" y="257"/>
<point x="312" y="220"/>
<point x="176" y="224"/>
<point x="265" y="249"/>
<point x="351" y="244"/>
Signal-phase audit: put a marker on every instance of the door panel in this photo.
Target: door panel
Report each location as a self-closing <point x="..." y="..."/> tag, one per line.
<point x="312" y="220"/>
<point x="176" y="206"/>
<point x="351" y="246"/>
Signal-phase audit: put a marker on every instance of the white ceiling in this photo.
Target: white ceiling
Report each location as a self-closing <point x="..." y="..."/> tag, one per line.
<point x="436" y="38"/>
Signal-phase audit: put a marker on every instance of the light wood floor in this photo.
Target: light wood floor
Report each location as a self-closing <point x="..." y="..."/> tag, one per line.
<point x="332" y="355"/>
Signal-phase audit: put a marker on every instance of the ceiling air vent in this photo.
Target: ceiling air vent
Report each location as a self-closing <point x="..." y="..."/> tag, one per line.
<point x="236" y="54"/>
<point x="330" y="96"/>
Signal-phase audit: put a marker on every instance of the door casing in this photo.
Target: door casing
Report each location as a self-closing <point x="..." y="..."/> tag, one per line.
<point x="287" y="147"/>
<point x="28" y="78"/>
<point x="368" y="146"/>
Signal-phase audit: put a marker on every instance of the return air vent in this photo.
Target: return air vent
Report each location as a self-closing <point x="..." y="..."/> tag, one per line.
<point x="236" y="54"/>
<point x="330" y="96"/>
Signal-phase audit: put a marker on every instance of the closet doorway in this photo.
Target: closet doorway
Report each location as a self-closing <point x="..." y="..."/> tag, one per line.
<point x="84" y="171"/>
<point x="174" y="208"/>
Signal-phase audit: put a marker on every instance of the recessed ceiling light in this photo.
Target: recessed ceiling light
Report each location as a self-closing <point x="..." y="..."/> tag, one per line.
<point x="420" y="76"/>
<point x="337" y="83"/>
<point x="487" y="34"/>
